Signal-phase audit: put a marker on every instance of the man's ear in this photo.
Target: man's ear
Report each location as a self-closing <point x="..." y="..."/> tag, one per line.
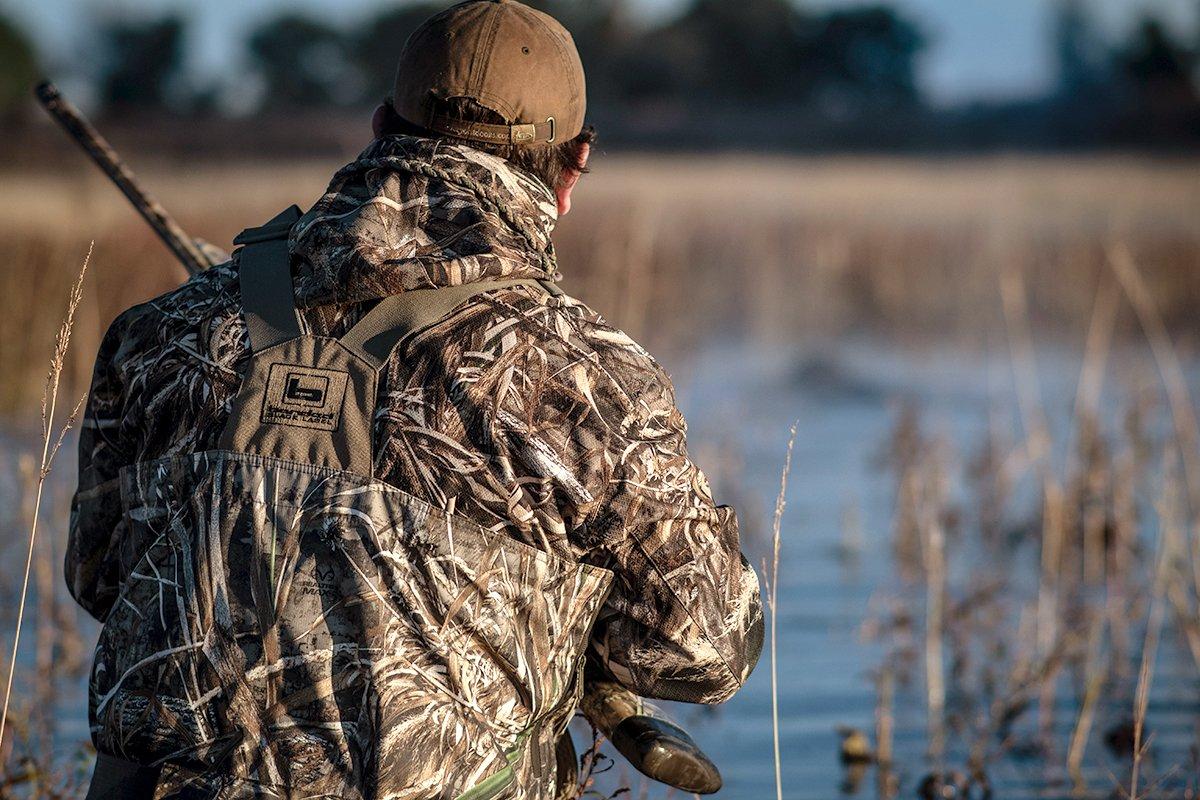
<point x="378" y="120"/>
<point x="570" y="178"/>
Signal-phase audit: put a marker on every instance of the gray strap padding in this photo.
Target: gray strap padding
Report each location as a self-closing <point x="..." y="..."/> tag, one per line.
<point x="376" y="335"/>
<point x="265" y="278"/>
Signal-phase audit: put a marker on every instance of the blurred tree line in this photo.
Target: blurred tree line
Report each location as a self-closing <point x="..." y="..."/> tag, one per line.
<point x="768" y="72"/>
<point x="18" y="71"/>
<point x="1144" y="90"/>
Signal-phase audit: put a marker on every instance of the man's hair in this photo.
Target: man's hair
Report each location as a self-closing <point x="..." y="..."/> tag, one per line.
<point x="550" y="163"/>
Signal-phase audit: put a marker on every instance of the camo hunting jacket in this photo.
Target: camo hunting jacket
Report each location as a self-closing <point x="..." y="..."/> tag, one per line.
<point x="521" y="412"/>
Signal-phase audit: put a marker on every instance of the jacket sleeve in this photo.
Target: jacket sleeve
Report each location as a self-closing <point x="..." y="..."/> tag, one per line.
<point x="684" y="619"/>
<point x="91" y="564"/>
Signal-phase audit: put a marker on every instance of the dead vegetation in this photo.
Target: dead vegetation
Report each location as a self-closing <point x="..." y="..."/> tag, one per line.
<point x="675" y="247"/>
<point x="1039" y="581"/>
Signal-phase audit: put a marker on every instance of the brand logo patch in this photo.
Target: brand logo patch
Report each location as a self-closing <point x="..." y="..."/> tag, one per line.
<point x="305" y="390"/>
<point x="305" y="397"/>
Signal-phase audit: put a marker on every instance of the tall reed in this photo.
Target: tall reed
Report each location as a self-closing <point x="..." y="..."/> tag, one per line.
<point x="50" y="444"/>
<point x="771" y="579"/>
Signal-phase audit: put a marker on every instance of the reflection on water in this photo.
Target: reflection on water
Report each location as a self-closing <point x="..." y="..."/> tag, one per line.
<point x="848" y="605"/>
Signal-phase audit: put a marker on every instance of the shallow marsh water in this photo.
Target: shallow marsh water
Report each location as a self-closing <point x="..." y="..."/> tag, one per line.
<point x="837" y="563"/>
<point x="837" y="566"/>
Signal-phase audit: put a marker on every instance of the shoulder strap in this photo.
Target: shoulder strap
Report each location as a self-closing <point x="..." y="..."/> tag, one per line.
<point x="265" y="278"/>
<point x="379" y="332"/>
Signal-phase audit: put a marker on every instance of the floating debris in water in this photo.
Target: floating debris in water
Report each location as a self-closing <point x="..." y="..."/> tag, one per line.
<point x="1119" y="739"/>
<point x="856" y="746"/>
<point x="946" y="786"/>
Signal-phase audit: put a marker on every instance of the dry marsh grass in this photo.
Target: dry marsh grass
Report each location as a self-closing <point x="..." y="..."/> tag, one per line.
<point x="1076" y="560"/>
<point x="671" y="247"/>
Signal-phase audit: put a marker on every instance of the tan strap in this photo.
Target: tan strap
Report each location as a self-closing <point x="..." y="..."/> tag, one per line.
<point x="268" y="298"/>
<point x="395" y="318"/>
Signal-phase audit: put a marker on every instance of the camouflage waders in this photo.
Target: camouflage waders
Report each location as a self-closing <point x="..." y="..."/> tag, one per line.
<point x="292" y="626"/>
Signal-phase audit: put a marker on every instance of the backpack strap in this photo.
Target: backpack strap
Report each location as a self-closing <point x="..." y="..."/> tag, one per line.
<point x="265" y="278"/>
<point x="268" y="298"/>
<point x="395" y="318"/>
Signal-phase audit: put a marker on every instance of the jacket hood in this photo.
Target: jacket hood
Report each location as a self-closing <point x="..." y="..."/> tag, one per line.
<point x="413" y="213"/>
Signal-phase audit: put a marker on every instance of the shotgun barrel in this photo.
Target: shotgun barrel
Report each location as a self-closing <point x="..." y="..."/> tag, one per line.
<point x="87" y="137"/>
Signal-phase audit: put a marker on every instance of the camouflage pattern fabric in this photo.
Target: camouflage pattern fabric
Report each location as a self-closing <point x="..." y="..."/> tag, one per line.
<point x="551" y="438"/>
<point x="296" y="632"/>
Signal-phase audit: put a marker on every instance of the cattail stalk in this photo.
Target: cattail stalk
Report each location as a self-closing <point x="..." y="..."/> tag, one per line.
<point x="884" y="726"/>
<point x="1095" y="677"/>
<point x="935" y="594"/>
<point x="1154" y="625"/>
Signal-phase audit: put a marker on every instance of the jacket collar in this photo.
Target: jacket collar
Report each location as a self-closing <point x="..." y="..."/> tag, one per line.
<point x="414" y="213"/>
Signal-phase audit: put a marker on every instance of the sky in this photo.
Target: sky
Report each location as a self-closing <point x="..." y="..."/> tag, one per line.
<point x="981" y="49"/>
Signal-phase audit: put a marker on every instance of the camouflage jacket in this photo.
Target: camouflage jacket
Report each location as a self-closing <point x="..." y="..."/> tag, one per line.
<point x="524" y="413"/>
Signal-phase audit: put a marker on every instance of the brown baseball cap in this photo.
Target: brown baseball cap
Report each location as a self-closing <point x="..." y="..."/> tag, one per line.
<point x="510" y="58"/>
